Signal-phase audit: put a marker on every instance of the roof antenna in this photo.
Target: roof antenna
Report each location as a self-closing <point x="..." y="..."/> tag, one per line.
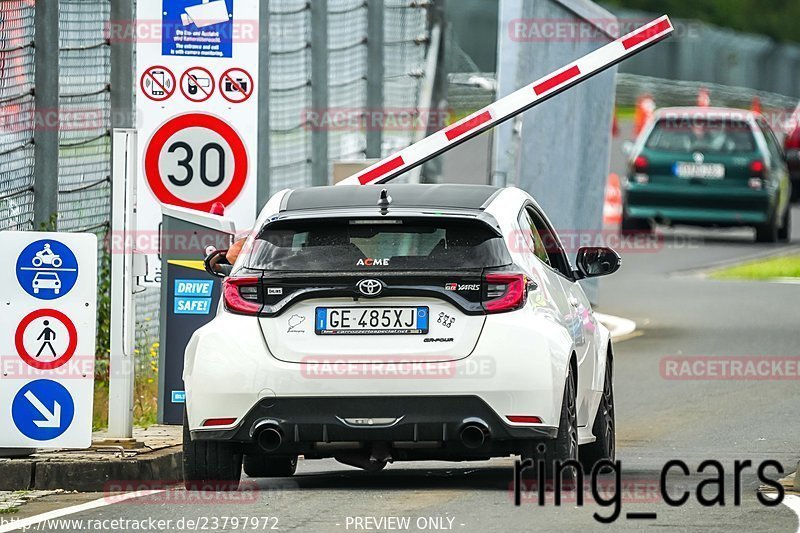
<point x="384" y="202"/>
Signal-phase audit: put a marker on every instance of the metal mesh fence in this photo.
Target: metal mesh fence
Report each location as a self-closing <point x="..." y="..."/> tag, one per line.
<point x="684" y="93"/>
<point x="84" y="135"/>
<point x="347" y="67"/>
<point x="16" y="115"/>
<point x="290" y="93"/>
<point x="406" y="38"/>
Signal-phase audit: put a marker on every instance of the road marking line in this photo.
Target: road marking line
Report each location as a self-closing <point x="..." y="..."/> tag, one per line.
<point x="58" y="513"/>
<point x="793" y="502"/>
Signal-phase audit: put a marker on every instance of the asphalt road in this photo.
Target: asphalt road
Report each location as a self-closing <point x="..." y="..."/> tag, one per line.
<point x="659" y="419"/>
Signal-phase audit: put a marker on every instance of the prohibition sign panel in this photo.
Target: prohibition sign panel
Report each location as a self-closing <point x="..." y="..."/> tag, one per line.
<point x="197" y="84"/>
<point x="236" y="85"/>
<point x="194" y="160"/>
<point x="46" y="339"/>
<point x="158" y="83"/>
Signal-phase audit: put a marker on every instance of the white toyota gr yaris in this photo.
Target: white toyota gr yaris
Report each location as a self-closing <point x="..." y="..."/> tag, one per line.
<point x="393" y="323"/>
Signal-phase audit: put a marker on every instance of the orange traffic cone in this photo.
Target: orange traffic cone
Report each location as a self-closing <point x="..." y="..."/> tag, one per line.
<point x="755" y="106"/>
<point x="612" y="206"/>
<point x="645" y="107"/>
<point x="703" y="97"/>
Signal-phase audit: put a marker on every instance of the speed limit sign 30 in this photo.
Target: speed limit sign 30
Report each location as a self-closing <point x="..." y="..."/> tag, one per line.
<point x="194" y="160"/>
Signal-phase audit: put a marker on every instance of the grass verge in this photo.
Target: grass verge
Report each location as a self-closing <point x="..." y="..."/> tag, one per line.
<point x="765" y="269"/>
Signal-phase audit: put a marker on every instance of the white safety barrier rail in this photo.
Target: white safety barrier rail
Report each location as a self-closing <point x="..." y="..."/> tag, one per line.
<point x="513" y="104"/>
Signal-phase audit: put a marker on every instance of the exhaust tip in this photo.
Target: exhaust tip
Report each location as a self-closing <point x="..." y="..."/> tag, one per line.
<point x="268" y="435"/>
<point x="474" y="435"/>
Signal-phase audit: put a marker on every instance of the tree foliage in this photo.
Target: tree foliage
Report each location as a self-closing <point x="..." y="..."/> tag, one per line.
<point x="775" y="18"/>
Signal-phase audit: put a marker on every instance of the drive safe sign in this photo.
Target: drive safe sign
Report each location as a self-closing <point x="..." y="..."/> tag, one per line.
<point x="197" y="141"/>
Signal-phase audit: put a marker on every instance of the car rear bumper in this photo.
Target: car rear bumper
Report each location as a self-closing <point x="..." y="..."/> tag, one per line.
<point x="321" y="426"/>
<point x="699" y="205"/>
<point x="235" y="376"/>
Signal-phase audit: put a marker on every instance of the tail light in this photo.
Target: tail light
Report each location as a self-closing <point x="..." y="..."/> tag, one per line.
<point x="792" y="141"/>
<point x="504" y="292"/>
<point x="640" y="164"/>
<point x="757" y="169"/>
<point x="242" y="295"/>
<point x="524" y="419"/>
<point x="213" y="422"/>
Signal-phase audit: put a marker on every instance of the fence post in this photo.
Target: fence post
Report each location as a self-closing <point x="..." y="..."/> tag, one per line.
<point x="121" y="31"/>
<point x="375" y="76"/>
<point x="263" y="174"/>
<point x="45" y="134"/>
<point x="319" y="90"/>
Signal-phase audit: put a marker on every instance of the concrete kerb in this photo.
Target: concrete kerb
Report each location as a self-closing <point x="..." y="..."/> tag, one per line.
<point x="621" y="329"/>
<point x="92" y="470"/>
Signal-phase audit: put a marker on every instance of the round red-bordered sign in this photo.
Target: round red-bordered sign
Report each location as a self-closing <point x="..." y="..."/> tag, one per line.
<point x="244" y="93"/>
<point x="71" y="346"/>
<point x="158" y="142"/>
<point x="193" y="76"/>
<point x="152" y="85"/>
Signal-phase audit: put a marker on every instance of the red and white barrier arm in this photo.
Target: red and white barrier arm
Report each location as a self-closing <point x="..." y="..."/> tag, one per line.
<point x="513" y="104"/>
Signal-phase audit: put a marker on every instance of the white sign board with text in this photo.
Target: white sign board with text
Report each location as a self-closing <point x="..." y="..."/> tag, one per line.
<point x="197" y="112"/>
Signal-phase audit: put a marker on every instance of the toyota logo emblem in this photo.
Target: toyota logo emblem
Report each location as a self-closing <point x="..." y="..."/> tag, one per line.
<point x="369" y="287"/>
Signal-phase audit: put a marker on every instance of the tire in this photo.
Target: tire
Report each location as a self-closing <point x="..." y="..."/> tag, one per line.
<point x="209" y="465"/>
<point x="604" y="427"/>
<point x="768" y="232"/>
<point x="565" y="446"/>
<point x="267" y="466"/>
<point x="638" y="225"/>
<point x="785" y="233"/>
<point x="37" y="261"/>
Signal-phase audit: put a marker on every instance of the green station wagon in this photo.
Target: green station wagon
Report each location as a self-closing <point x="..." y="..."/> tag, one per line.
<point x="708" y="167"/>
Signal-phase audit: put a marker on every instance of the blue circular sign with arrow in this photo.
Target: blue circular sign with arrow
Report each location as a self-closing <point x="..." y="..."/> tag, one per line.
<point x="43" y="410"/>
<point x="47" y="269"/>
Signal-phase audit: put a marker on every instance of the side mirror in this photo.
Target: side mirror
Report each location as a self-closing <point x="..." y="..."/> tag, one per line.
<point x="627" y="147"/>
<point x="217" y="264"/>
<point x="597" y="261"/>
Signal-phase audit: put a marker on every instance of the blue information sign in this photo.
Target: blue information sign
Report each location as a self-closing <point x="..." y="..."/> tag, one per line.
<point x="47" y="269"/>
<point x="197" y="28"/>
<point x="43" y="410"/>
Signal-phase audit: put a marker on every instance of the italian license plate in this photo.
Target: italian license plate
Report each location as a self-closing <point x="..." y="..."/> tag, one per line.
<point x="712" y="171"/>
<point x="371" y="320"/>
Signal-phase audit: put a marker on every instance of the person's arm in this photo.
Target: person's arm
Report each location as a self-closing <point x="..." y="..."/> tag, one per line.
<point x="235" y="250"/>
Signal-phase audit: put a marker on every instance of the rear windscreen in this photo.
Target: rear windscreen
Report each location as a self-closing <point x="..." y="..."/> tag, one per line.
<point x="408" y="244"/>
<point x="702" y="135"/>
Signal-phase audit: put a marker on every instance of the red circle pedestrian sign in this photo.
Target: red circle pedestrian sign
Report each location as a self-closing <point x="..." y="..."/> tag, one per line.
<point x="158" y="83"/>
<point x="194" y="160"/>
<point x="236" y="85"/>
<point x="197" y="84"/>
<point x="46" y="339"/>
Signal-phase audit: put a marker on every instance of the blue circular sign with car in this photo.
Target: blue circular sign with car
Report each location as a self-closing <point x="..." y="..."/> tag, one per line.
<point x="47" y="269"/>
